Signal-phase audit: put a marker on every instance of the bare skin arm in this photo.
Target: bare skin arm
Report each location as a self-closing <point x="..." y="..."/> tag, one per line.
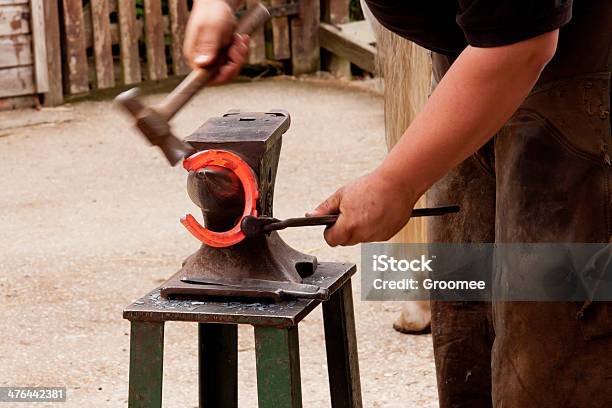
<point x="478" y="94"/>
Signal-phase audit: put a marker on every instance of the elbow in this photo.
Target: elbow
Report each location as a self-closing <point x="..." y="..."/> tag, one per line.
<point x="540" y="50"/>
<point x="525" y="58"/>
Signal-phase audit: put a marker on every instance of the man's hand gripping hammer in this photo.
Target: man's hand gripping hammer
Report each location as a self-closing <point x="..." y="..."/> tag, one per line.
<point x="153" y="121"/>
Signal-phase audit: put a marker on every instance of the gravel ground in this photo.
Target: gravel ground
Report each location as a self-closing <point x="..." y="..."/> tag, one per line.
<point x="89" y="221"/>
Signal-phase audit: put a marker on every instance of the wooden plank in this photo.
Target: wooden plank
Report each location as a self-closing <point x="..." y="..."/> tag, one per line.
<point x="257" y="51"/>
<point x="18" y="102"/>
<point x="336" y="12"/>
<point x="76" y="72"/>
<point x="360" y="31"/>
<point x="280" y="35"/>
<point x="305" y="55"/>
<point x="103" y="52"/>
<point x="16" y="50"/>
<point x="55" y="95"/>
<point x="15" y="19"/>
<point x="128" y="43"/>
<point x="115" y="32"/>
<point x="41" y="75"/>
<point x="154" y="38"/>
<point x="17" y="81"/>
<point x="13" y="2"/>
<point x="343" y="45"/>
<point x="177" y="9"/>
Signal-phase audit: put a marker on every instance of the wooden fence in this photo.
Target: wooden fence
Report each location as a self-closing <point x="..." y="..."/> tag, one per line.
<point x="109" y="43"/>
<point x="26" y="63"/>
<point x="57" y="48"/>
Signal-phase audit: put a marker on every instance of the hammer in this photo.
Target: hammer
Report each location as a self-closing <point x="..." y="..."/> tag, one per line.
<point x="153" y="121"/>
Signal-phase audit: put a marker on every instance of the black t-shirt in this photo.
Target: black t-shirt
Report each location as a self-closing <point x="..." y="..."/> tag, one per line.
<point x="448" y="26"/>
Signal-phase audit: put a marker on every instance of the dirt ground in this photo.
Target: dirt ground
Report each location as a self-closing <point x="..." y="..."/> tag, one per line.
<point x="89" y="220"/>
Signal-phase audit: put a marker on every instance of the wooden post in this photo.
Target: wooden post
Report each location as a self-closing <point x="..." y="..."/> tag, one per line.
<point x="154" y="38"/>
<point x="178" y="19"/>
<point x="257" y="53"/>
<point x="336" y="12"/>
<point x="103" y="53"/>
<point x="41" y="75"/>
<point x="305" y="52"/>
<point x="16" y="81"/>
<point x="17" y="74"/>
<point x="128" y="42"/>
<point x="344" y="47"/>
<point x="55" y="94"/>
<point x="280" y="48"/>
<point x="76" y="71"/>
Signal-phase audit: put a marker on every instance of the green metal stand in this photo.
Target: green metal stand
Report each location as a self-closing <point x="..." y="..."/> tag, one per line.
<point x="341" y="346"/>
<point x="276" y="346"/>
<point x="146" y="364"/>
<point x="278" y="367"/>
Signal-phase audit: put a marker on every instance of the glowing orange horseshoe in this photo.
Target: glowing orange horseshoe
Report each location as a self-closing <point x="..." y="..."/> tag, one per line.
<point x="248" y="179"/>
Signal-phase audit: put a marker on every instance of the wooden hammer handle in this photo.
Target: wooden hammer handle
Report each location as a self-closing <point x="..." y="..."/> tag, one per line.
<point x="199" y="77"/>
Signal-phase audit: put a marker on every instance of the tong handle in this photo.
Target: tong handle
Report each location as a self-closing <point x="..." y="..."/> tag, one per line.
<point x="433" y="211"/>
<point x="302" y="222"/>
<point x="331" y="219"/>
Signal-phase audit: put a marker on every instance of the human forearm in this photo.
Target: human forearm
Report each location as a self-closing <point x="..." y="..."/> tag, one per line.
<point x="478" y="94"/>
<point x="482" y="89"/>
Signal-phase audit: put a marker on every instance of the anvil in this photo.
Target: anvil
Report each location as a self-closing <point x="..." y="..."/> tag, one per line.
<point x="232" y="175"/>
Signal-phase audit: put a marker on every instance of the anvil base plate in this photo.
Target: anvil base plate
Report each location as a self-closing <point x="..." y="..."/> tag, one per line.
<point x="270" y="291"/>
<point x="287" y="313"/>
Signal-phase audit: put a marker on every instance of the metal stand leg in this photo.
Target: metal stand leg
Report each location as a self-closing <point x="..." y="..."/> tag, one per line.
<point x="218" y="365"/>
<point x="278" y="367"/>
<point x="146" y="364"/>
<point x="341" y="345"/>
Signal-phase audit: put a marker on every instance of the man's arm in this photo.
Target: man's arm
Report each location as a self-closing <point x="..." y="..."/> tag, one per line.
<point x="478" y="94"/>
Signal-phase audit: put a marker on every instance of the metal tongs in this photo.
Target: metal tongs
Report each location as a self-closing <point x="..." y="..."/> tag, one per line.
<point x="252" y="226"/>
<point x="278" y="288"/>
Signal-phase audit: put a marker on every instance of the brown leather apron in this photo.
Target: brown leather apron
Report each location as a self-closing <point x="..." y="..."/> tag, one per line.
<point x="545" y="177"/>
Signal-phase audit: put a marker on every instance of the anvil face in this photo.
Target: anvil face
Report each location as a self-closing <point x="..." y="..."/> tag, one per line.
<point x="256" y="137"/>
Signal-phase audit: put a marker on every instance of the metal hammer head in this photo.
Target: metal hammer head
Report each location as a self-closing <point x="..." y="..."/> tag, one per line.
<point x="154" y="126"/>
